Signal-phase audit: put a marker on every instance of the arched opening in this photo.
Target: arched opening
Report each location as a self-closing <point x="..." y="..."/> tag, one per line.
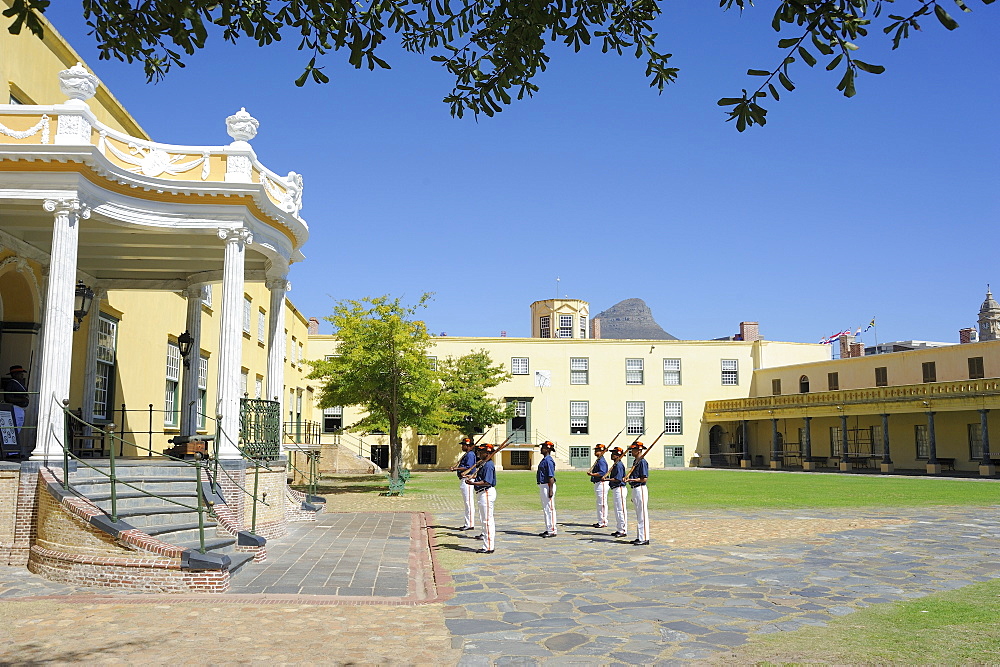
<point x="716" y="439"/>
<point x="804" y="384"/>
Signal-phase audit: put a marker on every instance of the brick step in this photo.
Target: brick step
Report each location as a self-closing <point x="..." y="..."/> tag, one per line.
<point x="134" y="469"/>
<point x="142" y="518"/>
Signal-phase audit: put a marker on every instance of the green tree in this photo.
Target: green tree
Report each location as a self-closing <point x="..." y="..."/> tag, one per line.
<point x="493" y="49"/>
<point x="381" y="365"/>
<point x="465" y="382"/>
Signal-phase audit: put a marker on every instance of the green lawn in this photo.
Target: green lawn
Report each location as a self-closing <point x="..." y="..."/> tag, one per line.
<point x="700" y="488"/>
<point x="960" y="627"/>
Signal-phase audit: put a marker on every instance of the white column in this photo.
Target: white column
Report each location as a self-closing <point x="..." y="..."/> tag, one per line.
<point x="57" y="328"/>
<point x="189" y="382"/>
<point x="90" y="362"/>
<point x="231" y="341"/>
<point x="275" y="338"/>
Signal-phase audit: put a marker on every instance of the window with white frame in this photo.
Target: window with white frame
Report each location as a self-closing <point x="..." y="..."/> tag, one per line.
<point x="104" y="382"/>
<point x="672" y="417"/>
<point x="432" y="362"/>
<point x="247" y="307"/>
<point x="261" y="325"/>
<point x="579" y="417"/>
<point x="565" y="326"/>
<point x="730" y="372"/>
<point x="633" y="371"/>
<point x="302" y="353"/>
<point x="258" y="387"/>
<point x="519" y="365"/>
<point x="284" y="343"/>
<point x="202" y="391"/>
<point x="635" y="417"/>
<point x="545" y="326"/>
<point x="579" y="370"/>
<point x="244" y="382"/>
<point x="672" y="371"/>
<point x="170" y="398"/>
<point x="206" y="295"/>
<point x="583" y="326"/>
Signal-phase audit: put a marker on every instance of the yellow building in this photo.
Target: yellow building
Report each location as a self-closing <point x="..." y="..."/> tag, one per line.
<point x="143" y="288"/>
<point x="922" y="410"/>
<point x="577" y="392"/>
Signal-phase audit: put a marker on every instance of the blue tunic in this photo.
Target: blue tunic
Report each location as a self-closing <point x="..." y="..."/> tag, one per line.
<point x="600" y="467"/>
<point x="641" y="470"/>
<point x="467" y="461"/>
<point x="617" y="475"/>
<point x="546" y="469"/>
<point x="487" y="473"/>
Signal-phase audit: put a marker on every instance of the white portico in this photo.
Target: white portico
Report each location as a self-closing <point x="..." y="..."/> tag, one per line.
<point x="87" y="203"/>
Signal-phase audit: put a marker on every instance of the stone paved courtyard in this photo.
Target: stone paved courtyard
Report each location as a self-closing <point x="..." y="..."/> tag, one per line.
<point x="709" y="581"/>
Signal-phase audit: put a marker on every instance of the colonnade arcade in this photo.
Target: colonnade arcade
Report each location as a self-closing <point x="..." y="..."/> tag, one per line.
<point x="931" y="428"/>
<point x="94" y="206"/>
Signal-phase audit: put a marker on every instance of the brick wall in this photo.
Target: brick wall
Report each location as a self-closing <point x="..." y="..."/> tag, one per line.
<point x="271" y="519"/>
<point x="8" y="511"/>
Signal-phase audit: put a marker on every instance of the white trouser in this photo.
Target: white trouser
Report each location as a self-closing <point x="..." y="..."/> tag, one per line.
<point x="548" y="506"/>
<point x="469" y="496"/>
<point x="601" y="491"/>
<point x="486" y="499"/>
<point x="621" y="512"/>
<point x="18" y="416"/>
<point x="640" y="498"/>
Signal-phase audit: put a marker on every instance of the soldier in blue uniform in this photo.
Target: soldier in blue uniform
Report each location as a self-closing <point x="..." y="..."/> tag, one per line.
<point x="599" y="476"/>
<point x="617" y="483"/>
<point x="546" y="478"/>
<point x="485" y="484"/>
<point x="640" y="497"/>
<point x="464" y="465"/>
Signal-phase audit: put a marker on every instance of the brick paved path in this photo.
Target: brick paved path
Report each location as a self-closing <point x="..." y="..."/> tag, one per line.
<point x="709" y="581"/>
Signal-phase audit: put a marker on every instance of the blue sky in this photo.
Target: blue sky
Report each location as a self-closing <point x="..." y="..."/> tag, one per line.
<point x="838" y="210"/>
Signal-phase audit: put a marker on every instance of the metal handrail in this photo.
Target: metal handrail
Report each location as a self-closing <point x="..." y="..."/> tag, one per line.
<point x="201" y="507"/>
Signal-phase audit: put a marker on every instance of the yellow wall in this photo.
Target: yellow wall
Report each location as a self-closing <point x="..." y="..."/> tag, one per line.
<point x="606" y="391"/>
<point x="28" y="66"/>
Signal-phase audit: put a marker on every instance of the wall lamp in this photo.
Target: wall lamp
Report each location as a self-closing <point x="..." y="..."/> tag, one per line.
<point x="184" y="342"/>
<point x="83" y="299"/>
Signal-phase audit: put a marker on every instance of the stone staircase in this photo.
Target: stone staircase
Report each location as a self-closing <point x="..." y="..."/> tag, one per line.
<point x="158" y="517"/>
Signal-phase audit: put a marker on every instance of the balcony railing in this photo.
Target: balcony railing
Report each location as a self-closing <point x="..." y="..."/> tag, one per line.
<point x="932" y="395"/>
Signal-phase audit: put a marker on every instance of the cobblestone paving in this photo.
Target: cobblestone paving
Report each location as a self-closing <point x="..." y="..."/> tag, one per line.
<point x="708" y="581"/>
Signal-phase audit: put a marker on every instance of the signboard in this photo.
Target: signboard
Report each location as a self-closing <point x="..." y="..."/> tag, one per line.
<point x="8" y="432"/>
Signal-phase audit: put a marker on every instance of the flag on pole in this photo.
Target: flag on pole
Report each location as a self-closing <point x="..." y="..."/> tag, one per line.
<point x="870" y="324"/>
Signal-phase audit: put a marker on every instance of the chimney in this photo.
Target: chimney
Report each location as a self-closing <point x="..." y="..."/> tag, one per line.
<point x="968" y="335"/>
<point x="595" y="327"/>
<point x="846" y="341"/>
<point x="749" y="331"/>
<point x="857" y="349"/>
<point x="313" y="326"/>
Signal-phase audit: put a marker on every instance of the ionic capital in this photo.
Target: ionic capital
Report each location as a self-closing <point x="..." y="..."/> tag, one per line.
<point x="236" y="235"/>
<point x="66" y="207"/>
<point x="279" y="284"/>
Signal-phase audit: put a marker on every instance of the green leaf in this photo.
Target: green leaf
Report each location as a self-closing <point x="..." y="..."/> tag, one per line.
<point x="963" y="6"/>
<point x="787" y="43"/>
<point x="729" y="101"/>
<point x="833" y="63"/>
<point x="758" y="72"/>
<point x="807" y="57"/>
<point x="871" y="69"/>
<point x="774" y="91"/>
<point x="785" y="81"/>
<point x="945" y="18"/>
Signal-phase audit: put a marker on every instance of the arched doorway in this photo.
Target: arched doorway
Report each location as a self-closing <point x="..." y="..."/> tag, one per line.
<point x="804" y="384"/>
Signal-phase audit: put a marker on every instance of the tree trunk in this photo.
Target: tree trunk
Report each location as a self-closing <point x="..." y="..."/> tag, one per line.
<point x="395" y="450"/>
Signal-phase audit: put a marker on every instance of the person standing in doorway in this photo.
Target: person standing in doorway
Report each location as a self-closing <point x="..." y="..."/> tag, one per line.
<point x="464" y="465"/>
<point x="640" y="496"/>
<point x="546" y="478"/>
<point x="599" y="476"/>
<point x="485" y="484"/>
<point x="617" y="483"/>
<point x="16" y="393"/>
